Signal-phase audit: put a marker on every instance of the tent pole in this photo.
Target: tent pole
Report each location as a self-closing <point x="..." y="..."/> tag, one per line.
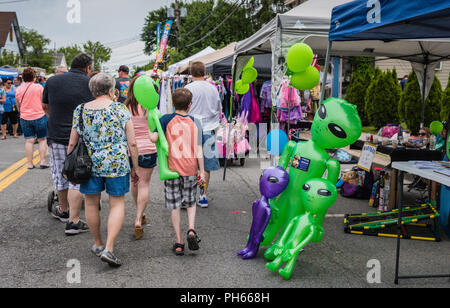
<point x="325" y="73"/>
<point x="424" y="85"/>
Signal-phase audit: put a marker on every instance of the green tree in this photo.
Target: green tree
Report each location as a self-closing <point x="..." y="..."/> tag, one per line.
<point x="404" y="97"/>
<point x="382" y="100"/>
<point x="412" y="101"/>
<point x="445" y="105"/>
<point x="70" y="52"/>
<point x="98" y="52"/>
<point x="36" y="51"/>
<point x="9" y="58"/>
<point x="209" y="25"/>
<point x="434" y="101"/>
<point x="356" y="93"/>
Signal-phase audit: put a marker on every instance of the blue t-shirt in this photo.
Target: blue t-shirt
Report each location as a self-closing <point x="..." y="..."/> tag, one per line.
<point x="10" y="100"/>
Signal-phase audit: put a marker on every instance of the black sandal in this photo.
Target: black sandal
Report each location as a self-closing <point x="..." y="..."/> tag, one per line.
<point x="176" y="246"/>
<point x="193" y="240"/>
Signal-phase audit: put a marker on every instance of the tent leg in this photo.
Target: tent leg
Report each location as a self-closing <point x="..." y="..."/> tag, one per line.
<point x="424" y="85"/>
<point x="324" y="77"/>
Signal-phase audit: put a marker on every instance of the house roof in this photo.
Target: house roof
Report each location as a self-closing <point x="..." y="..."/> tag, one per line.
<point x="6" y="20"/>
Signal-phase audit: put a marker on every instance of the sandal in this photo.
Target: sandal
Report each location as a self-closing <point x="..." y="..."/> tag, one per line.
<point x="176" y="246"/>
<point x="193" y="240"/>
<point x="138" y="232"/>
<point x="144" y="220"/>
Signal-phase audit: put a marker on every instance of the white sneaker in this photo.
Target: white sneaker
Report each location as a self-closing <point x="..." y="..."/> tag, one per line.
<point x="202" y="202"/>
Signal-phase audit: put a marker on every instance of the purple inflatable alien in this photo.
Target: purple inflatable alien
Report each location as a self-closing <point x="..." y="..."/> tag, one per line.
<point x="273" y="182"/>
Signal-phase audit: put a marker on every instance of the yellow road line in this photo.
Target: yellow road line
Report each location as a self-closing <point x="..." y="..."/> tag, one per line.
<point x="15" y="166"/>
<point x="17" y="174"/>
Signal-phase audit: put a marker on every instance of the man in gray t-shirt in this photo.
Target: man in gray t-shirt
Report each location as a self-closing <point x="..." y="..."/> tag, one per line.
<point x="206" y="107"/>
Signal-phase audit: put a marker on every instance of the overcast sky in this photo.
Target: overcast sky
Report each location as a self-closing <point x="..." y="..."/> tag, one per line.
<point x="100" y="20"/>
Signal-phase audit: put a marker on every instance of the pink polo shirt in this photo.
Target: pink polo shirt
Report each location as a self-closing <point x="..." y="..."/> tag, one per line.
<point x="29" y="100"/>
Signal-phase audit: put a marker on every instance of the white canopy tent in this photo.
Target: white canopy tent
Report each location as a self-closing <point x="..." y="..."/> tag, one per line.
<point x="209" y="58"/>
<point x="174" y="67"/>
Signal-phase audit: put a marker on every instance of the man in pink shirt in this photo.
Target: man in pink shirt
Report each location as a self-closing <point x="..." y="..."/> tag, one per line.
<point x="33" y="119"/>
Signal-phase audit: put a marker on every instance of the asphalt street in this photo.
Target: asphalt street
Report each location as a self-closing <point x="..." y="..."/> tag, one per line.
<point x="34" y="251"/>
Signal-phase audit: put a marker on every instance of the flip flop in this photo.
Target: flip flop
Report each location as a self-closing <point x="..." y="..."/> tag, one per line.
<point x="32" y="168"/>
<point x="44" y="167"/>
<point x="193" y="240"/>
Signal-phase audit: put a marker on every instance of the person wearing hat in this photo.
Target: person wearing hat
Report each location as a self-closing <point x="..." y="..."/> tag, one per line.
<point x="123" y="83"/>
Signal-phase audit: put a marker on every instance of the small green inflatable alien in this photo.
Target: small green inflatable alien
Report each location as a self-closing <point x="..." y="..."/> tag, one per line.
<point x="317" y="195"/>
<point x="336" y="125"/>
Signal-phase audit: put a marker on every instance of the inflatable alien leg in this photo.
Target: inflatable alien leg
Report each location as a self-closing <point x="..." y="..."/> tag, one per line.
<point x="272" y="183"/>
<point x="279" y="248"/>
<point x="278" y="214"/>
<point x="261" y="215"/>
<point x="291" y="255"/>
<point x="162" y="147"/>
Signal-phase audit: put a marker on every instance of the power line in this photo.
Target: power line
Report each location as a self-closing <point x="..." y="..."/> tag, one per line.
<point x="14" y="1"/>
<point x="215" y="29"/>
<point x="203" y="21"/>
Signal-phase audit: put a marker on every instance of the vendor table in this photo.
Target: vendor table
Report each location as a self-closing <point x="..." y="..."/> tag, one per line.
<point x="402" y="153"/>
<point x="398" y="154"/>
<point x="429" y="174"/>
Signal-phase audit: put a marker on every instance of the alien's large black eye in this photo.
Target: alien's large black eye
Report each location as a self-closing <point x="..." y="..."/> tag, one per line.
<point x="322" y="112"/>
<point x="324" y="192"/>
<point x="273" y="179"/>
<point x="337" y="131"/>
<point x="306" y="187"/>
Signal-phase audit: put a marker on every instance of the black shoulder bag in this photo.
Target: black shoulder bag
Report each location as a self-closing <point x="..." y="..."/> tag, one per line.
<point x="78" y="164"/>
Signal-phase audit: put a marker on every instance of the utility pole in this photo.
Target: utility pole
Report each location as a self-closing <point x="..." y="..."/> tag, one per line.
<point x="177" y="20"/>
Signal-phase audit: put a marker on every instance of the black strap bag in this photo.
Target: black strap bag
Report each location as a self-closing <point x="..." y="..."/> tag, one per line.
<point x="78" y="164"/>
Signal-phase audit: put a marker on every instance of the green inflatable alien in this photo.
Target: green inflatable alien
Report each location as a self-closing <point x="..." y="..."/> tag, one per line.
<point x="336" y="125"/>
<point x="147" y="97"/>
<point x="317" y="195"/>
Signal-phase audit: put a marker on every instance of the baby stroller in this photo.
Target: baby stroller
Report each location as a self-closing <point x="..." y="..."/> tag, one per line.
<point x="232" y="142"/>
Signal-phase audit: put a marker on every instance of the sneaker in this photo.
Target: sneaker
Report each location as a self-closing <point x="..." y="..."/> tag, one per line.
<point x="203" y="202"/>
<point x="97" y="250"/>
<point x="76" y="228"/>
<point x="111" y="259"/>
<point x="62" y="216"/>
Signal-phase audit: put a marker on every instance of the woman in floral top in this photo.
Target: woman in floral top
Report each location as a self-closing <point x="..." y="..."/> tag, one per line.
<point x="108" y="134"/>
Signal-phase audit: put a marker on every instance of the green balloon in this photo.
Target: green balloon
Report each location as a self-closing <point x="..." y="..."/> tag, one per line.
<point x="317" y="195"/>
<point x="306" y="80"/>
<point x="145" y="92"/>
<point x="242" y="88"/>
<point x="299" y="57"/>
<point x="249" y="75"/>
<point x="436" y="127"/>
<point x="250" y="63"/>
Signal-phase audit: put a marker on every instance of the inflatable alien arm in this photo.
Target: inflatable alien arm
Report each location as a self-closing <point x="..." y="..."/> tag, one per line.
<point x="287" y="154"/>
<point x="334" y="170"/>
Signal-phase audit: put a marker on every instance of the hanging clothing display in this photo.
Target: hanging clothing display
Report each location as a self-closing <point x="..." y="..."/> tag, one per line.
<point x="288" y="104"/>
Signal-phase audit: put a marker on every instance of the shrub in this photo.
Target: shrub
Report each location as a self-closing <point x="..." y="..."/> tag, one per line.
<point x="412" y="101"/>
<point x="382" y="99"/>
<point x="445" y="104"/>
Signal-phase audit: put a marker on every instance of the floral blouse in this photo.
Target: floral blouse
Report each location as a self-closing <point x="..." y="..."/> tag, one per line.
<point x="105" y="138"/>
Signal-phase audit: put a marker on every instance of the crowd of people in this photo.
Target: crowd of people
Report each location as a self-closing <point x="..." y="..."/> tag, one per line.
<point x="114" y="127"/>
